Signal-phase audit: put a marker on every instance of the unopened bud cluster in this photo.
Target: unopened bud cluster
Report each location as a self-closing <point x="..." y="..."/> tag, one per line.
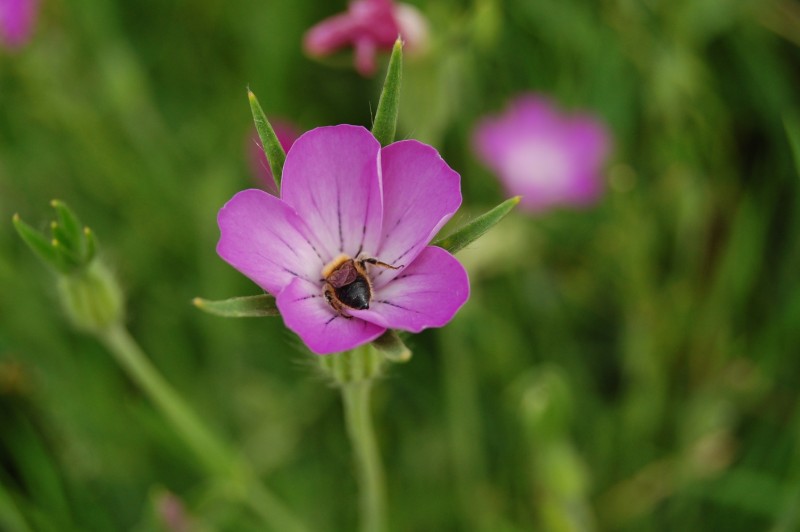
<point x="88" y="291"/>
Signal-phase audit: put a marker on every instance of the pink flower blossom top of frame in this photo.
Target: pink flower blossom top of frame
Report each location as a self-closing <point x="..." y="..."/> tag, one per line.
<point x="17" y="18"/>
<point x="368" y="26"/>
<point x="344" y="250"/>
<point x="287" y="133"/>
<point x="548" y="157"/>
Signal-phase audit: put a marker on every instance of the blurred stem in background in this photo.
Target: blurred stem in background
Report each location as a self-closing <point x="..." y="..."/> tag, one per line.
<point x="93" y="302"/>
<point x="214" y="454"/>
<point x="465" y="430"/>
<point x="543" y="401"/>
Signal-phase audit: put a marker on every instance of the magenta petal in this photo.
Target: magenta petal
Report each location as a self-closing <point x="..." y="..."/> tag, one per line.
<point x="332" y="179"/>
<point x="330" y="34"/>
<point x="426" y="294"/>
<point x="420" y="194"/>
<point x="306" y="312"/>
<point x="17" y="18"/>
<point x="365" y="52"/>
<point x="262" y="237"/>
<point x="590" y="141"/>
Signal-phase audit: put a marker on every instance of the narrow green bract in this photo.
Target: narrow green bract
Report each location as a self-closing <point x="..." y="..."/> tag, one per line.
<point x="476" y="228"/>
<point x="239" y="307"/>
<point x="269" y="140"/>
<point x="386" y="116"/>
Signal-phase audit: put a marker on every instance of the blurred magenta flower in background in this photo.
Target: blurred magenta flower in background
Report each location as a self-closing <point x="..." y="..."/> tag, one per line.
<point x="345" y="197"/>
<point x="17" y="18"/>
<point x="368" y="26"/>
<point x="548" y="157"/>
<point x="287" y="133"/>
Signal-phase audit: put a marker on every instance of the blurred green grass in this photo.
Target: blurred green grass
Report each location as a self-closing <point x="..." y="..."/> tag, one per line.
<point x="670" y="312"/>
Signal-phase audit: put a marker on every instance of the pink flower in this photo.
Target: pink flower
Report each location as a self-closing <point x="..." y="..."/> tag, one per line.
<point x="368" y="26"/>
<point x="549" y="158"/>
<point x="345" y="248"/>
<point x="16" y="21"/>
<point x="286" y="134"/>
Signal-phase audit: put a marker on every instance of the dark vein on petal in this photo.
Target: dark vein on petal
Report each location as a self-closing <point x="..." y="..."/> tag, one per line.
<point x="386" y="302"/>
<point x="315" y="205"/>
<point x="285" y="243"/>
<point x="406" y="252"/>
<point x="364" y="225"/>
<point x="282" y="267"/>
<point x="304" y="298"/>
<point x="330" y="320"/>
<point x="314" y="248"/>
<point x="339" y="215"/>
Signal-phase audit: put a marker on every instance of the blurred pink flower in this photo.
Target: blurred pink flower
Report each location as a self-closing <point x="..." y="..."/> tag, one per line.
<point x="16" y="21"/>
<point x="368" y="26"/>
<point x="548" y="157"/>
<point x="287" y="133"/>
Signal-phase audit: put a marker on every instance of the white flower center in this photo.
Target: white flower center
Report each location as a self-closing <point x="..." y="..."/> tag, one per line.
<point x="539" y="164"/>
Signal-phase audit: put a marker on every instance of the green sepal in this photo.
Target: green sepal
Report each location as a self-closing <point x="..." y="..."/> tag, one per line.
<point x="269" y="140"/>
<point x="68" y="229"/>
<point x="385" y="124"/>
<point x="91" y="243"/>
<point x="239" y="307"/>
<point x="470" y="232"/>
<point x="42" y="247"/>
<point x="392" y="347"/>
<point x="67" y="255"/>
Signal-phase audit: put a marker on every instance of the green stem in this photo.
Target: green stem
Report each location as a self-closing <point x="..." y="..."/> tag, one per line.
<point x="210" y="451"/>
<point x="356" y="397"/>
<point x="213" y="453"/>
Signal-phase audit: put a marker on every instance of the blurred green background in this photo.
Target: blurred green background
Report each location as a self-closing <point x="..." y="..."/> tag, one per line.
<point x="629" y="367"/>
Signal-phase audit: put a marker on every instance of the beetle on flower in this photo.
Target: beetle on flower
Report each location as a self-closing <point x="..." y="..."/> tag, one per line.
<point x="345" y="248"/>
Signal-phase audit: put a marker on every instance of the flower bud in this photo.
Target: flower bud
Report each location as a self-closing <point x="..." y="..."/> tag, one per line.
<point x="71" y="245"/>
<point x="91" y="297"/>
<point x="88" y="291"/>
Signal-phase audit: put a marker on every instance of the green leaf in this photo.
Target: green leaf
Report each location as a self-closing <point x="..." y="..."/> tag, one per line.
<point x="467" y="234"/>
<point x="239" y="307"/>
<point x="43" y="247"/>
<point x="386" y="115"/>
<point x="269" y="140"/>
<point x="392" y="346"/>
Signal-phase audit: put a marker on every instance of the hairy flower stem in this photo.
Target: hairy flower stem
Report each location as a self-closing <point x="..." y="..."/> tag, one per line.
<point x="372" y="487"/>
<point x="213" y="453"/>
<point x="354" y="372"/>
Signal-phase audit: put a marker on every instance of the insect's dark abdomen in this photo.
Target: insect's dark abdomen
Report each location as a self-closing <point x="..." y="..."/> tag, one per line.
<point x="356" y="294"/>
